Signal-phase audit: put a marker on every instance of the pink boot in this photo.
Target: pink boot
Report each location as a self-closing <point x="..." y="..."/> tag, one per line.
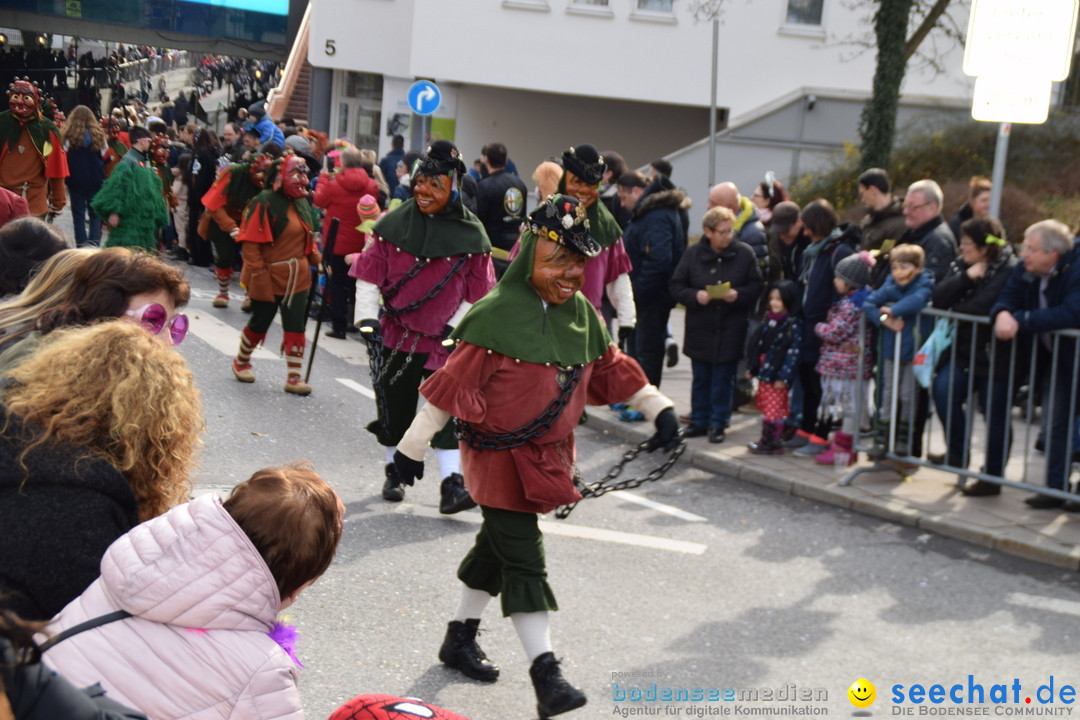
<point x="842" y="443"/>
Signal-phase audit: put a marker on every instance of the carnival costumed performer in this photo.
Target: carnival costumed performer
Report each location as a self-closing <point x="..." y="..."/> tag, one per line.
<point x="610" y="270"/>
<point x="531" y="355"/>
<point x="225" y="201"/>
<point x="430" y="260"/>
<point x="117" y="147"/>
<point x="32" y="159"/>
<point x="160" y="148"/>
<point x="278" y="249"/>
<point x="130" y="200"/>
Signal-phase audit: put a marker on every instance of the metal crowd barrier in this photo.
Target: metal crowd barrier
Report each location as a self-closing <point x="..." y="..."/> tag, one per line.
<point x="1022" y="469"/>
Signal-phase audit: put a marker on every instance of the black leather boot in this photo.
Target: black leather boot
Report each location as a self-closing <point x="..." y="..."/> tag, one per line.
<point x="553" y="694"/>
<point x="455" y="497"/>
<point x="392" y="489"/>
<point x="461" y="652"/>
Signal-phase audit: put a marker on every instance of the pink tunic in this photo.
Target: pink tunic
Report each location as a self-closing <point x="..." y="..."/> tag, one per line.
<point x="496" y="394"/>
<point x="383" y="264"/>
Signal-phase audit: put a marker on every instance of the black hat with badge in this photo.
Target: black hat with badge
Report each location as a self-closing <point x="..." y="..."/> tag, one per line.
<point x="585" y="162"/>
<point x="561" y="219"/>
<point x="441" y="158"/>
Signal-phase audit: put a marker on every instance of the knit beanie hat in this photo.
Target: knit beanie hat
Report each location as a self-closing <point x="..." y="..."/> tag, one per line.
<point x="368" y="210"/>
<point x="855" y="269"/>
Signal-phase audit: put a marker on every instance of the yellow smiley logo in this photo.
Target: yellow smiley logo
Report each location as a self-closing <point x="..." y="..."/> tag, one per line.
<point x="862" y="693"/>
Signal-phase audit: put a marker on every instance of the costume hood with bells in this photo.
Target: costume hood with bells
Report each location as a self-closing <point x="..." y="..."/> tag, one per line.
<point x="512" y="319"/>
<point x="587" y="163"/>
<point x="453" y="231"/>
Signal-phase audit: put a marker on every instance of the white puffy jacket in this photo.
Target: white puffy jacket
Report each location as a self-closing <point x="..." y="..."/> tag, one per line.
<point x="202" y="601"/>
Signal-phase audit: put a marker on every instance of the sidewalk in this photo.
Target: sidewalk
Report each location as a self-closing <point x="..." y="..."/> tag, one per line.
<point x="928" y="500"/>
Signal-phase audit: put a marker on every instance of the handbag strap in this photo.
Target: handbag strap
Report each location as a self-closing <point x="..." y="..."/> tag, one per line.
<point x="82" y="627"/>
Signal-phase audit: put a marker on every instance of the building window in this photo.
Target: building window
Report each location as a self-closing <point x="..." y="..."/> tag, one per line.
<point x="804" y="12"/>
<point x="591" y="2"/>
<point x="655" y="5"/>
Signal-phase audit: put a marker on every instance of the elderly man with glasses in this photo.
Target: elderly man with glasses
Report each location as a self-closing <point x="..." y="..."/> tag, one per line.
<point x="927" y="227"/>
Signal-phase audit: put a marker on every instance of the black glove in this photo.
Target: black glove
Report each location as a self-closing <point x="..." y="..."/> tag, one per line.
<point x="626" y="337"/>
<point x="407" y="469"/>
<point x="667" y="432"/>
<point x="370" y="331"/>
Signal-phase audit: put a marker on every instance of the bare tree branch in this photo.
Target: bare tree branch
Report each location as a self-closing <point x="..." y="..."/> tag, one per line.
<point x="925" y="27"/>
<point x="706" y="10"/>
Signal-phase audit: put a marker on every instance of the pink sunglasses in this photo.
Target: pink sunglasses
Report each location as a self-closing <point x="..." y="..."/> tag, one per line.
<point x="154" y="318"/>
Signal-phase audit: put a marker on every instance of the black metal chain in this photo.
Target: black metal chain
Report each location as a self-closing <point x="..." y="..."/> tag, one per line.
<point x="432" y="291"/>
<point x="568" y="380"/>
<point x="605" y="484"/>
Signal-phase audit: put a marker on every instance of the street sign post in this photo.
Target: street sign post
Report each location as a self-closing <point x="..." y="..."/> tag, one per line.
<point x="1015" y="50"/>
<point x="424" y="97"/>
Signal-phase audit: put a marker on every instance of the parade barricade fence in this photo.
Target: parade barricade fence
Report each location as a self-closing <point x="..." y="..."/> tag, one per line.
<point x="1040" y="370"/>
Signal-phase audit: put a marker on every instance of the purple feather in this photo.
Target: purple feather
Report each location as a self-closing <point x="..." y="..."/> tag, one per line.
<point x="286" y="636"/>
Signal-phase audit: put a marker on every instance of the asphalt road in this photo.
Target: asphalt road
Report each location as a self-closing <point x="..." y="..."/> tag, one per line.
<point x="696" y="581"/>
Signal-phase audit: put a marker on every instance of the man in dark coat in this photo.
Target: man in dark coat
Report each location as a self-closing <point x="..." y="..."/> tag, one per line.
<point x="1040" y="296"/>
<point x="655" y="243"/>
<point x="884" y="219"/>
<point x="927" y="227"/>
<point x="500" y="204"/>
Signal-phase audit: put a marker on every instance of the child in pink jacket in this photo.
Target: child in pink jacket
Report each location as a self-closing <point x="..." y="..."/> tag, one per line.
<point x="202" y="639"/>
<point x="838" y="363"/>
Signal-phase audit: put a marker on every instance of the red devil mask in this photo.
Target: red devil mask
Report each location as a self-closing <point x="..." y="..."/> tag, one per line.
<point x="23" y="100"/>
<point x="160" y="149"/>
<point x="260" y="165"/>
<point x="292" y="179"/>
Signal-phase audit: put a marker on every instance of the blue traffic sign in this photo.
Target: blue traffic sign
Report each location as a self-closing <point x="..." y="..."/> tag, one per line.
<point x="424" y="97"/>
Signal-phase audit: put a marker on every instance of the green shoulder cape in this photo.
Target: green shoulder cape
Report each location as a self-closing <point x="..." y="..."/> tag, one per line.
<point x="512" y="320"/>
<point x="454" y="231"/>
<point x="603" y="226"/>
<point x="276" y="207"/>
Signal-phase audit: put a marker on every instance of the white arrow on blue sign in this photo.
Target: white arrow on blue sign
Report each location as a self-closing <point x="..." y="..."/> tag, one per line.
<point x="424" y="97"/>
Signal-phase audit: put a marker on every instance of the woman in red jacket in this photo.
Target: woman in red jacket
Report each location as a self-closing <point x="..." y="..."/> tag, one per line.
<point x="337" y="193"/>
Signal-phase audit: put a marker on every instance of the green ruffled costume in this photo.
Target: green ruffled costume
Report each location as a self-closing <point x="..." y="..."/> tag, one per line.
<point x="134" y="193"/>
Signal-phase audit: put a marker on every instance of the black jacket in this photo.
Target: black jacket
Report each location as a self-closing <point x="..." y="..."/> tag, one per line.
<point x="716" y="332"/>
<point x="655" y="242"/>
<point x="961" y="294"/>
<point x="500" y="205"/>
<point x="818" y="291"/>
<point x="937" y="241"/>
<point x="58" y="516"/>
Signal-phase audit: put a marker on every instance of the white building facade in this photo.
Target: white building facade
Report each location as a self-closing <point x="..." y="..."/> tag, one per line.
<point x="627" y="75"/>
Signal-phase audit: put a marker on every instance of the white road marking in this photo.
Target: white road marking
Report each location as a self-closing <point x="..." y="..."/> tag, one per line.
<point x="353" y="385"/>
<point x="579" y="531"/>
<point x="1038" y="602"/>
<point x="222" y="337"/>
<point x="659" y="507"/>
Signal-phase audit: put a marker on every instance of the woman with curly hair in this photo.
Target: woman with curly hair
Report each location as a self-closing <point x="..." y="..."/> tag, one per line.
<point x="85" y="143"/>
<point x="98" y="429"/>
<point x="111" y="283"/>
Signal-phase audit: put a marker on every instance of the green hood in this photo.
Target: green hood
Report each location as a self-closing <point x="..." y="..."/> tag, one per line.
<point x="512" y="320"/>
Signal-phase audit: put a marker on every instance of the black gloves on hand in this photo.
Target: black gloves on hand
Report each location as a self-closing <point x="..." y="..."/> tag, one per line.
<point x="626" y="336"/>
<point x="667" y="431"/>
<point x="370" y="330"/>
<point x="407" y="469"/>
